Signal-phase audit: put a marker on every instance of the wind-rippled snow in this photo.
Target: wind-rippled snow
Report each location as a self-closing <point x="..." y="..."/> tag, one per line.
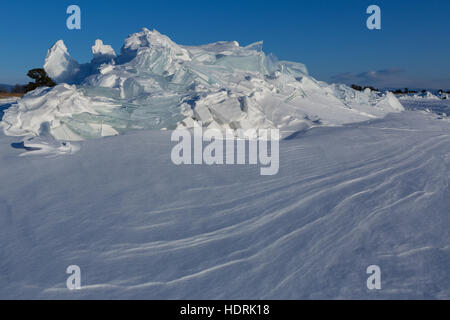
<point x="140" y="227"/>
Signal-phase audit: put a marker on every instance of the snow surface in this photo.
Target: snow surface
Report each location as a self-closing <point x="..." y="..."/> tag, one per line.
<point x="59" y="65"/>
<point x="440" y="107"/>
<point x="427" y="95"/>
<point x="4" y="101"/>
<point x="155" y="83"/>
<point x="140" y="227"/>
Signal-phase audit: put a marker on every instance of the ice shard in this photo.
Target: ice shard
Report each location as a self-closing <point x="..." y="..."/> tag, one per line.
<point x="155" y="83"/>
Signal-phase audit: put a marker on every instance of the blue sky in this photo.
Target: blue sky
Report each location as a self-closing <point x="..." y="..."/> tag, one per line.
<point x="330" y="37"/>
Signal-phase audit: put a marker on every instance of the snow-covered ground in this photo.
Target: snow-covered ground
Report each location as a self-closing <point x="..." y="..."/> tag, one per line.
<point x="425" y="95"/>
<point x="373" y="193"/>
<point x="4" y="101"/>
<point x="440" y="107"/>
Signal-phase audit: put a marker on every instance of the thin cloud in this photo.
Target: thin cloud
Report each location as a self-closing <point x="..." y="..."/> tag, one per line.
<point x="390" y="78"/>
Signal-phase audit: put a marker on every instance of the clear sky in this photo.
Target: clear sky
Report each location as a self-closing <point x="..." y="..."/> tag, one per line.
<point x="330" y="37"/>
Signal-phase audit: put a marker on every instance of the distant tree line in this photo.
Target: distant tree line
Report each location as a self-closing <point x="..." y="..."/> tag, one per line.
<point x="18" y="88"/>
<point x="406" y="91"/>
<point x="360" y="88"/>
<point x="397" y="91"/>
<point x="40" y="77"/>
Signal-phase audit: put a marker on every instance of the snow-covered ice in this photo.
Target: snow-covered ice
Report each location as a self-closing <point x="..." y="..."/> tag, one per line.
<point x="4" y="101"/>
<point x="45" y="107"/>
<point x="102" y="52"/>
<point x="155" y="83"/>
<point x="427" y="95"/>
<point x="59" y="65"/>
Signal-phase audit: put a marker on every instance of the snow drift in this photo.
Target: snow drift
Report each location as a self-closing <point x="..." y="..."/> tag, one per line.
<point x="140" y="227"/>
<point x="155" y="83"/>
<point x="423" y="95"/>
